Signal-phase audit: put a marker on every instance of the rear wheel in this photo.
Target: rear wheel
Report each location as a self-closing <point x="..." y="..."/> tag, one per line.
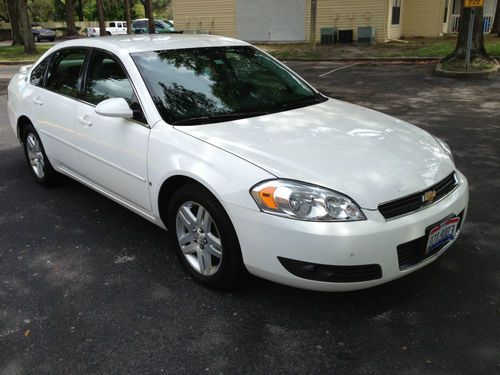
<point x="204" y="238"/>
<point x="37" y="160"/>
<point x="37" y="39"/>
<point x="108" y="33"/>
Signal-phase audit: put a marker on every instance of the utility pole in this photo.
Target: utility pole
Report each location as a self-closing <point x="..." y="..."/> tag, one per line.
<point x="312" y="33"/>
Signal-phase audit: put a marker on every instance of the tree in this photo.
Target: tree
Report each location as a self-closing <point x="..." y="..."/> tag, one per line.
<point x="15" y="27"/>
<point x="24" y="20"/>
<point x="128" y="17"/>
<point x="100" y="15"/>
<point x="478" y="51"/>
<point x="496" y="22"/>
<point x="70" y="18"/>
<point x="148" y="7"/>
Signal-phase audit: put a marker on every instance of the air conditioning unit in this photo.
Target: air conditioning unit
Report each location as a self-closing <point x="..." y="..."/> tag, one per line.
<point x="328" y="35"/>
<point x="366" y="34"/>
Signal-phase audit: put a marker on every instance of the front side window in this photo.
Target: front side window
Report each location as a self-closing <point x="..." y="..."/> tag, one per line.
<point x="64" y="71"/>
<point x="106" y="79"/>
<point x="111" y="24"/>
<point x="396" y="12"/>
<point x="214" y="84"/>
<point x="36" y="78"/>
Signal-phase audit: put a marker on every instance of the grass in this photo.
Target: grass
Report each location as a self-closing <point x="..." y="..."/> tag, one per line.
<point x="16" y="53"/>
<point x="415" y="47"/>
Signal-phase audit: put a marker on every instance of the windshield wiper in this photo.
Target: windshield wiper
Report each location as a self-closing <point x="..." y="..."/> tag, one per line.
<point x="219" y="117"/>
<point x="304" y="102"/>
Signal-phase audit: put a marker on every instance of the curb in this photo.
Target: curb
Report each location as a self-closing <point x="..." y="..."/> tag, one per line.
<point x="440" y="72"/>
<point x="366" y="59"/>
<point x="27" y="62"/>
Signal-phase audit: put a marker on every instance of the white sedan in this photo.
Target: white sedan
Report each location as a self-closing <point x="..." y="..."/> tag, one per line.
<point x="248" y="167"/>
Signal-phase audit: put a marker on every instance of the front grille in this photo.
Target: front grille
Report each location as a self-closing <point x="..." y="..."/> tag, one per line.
<point x="333" y="274"/>
<point x="415" y="201"/>
<point x="413" y="252"/>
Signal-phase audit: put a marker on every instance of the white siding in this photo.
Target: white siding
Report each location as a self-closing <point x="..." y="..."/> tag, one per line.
<point x="264" y="20"/>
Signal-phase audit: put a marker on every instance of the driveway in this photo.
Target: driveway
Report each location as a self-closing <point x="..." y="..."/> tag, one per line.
<point x="88" y="287"/>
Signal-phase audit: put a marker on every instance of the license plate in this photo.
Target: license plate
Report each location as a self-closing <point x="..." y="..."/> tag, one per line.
<point x="441" y="234"/>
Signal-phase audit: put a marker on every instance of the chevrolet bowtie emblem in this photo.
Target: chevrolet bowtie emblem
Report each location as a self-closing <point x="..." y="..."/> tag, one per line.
<point x="429" y="196"/>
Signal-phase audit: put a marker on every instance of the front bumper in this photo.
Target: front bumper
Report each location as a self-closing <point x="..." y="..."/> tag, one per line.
<point x="265" y="238"/>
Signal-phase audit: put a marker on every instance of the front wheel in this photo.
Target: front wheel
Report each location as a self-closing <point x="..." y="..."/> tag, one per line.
<point x="37" y="39"/>
<point x="37" y="160"/>
<point x="204" y="238"/>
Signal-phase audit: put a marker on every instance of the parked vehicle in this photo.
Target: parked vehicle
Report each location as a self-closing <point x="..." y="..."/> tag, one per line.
<point x="140" y="26"/>
<point x="113" y="28"/>
<point x="41" y="33"/>
<point x="248" y="166"/>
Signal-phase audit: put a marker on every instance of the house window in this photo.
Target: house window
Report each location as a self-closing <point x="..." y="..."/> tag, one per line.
<point x="445" y="19"/>
<point x="396" y="12"/>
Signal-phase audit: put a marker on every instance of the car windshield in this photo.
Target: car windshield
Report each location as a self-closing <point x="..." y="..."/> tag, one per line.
<point x="214" y="84"/>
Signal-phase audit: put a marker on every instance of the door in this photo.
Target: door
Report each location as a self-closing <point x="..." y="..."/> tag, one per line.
<point x="55" y="107"/>
<point x="113" y="151"/>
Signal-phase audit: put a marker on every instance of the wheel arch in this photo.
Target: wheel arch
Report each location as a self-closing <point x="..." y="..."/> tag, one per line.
<point x="169" y="187"/>
<point x="22" y="122"/>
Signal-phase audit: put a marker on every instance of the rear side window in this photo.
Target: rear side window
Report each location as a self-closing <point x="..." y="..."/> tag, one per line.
<point x="64" y="71"/>
<point x="36" y="78"/>
<point x="106" y="79"/>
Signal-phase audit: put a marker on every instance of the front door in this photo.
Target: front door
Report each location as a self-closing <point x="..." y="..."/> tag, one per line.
<point x="113" y="150"/>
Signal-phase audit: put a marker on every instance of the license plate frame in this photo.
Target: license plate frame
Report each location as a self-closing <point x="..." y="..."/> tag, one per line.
<point x="441" y="234"/>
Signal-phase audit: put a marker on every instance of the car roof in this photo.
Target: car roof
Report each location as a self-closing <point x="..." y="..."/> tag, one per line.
<point x="126" y="44"/>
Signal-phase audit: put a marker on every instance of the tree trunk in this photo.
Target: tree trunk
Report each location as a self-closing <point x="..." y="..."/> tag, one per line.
<point x="24" y="20"/>
<point x="478" y="50"/>
<point x="79" y="10"/>
<point x="128" y="17"/>
<point x="15" y="28"/>
<point x="496" y="22"/>
<point x="148" y="7"/>
<point x="100" y="15"/>
<point x="70" y="18"/>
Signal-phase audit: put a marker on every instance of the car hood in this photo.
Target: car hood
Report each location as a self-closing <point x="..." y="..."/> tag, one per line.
<point x="367" y="155"/>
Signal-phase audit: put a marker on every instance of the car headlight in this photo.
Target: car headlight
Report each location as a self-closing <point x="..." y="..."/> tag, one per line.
<point x="445" y="148"/>
<point x="302" y="201"/>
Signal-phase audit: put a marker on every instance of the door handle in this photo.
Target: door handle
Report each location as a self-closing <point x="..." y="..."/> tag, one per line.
<point x="84" y="120"/>
<point x="37" y="101"/>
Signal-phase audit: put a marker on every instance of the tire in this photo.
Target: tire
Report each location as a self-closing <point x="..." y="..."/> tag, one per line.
<point x="51" y="40"/>
<point x="38" y="163"/>
<point x="108" y="33"/>
<point x="209" y="248"/>
<point x="37" y="39"/>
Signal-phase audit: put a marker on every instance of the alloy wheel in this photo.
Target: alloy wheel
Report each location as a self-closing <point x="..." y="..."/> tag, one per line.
<point x="35" y="155"/>
<point x="199" y="238"/>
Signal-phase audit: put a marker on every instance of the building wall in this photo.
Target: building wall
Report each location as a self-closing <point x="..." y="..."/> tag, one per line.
<point x="264" y="20"/>
<point x="214" y="16"/>
<point x="423" y="18"/>
<point x="349" y="14"/>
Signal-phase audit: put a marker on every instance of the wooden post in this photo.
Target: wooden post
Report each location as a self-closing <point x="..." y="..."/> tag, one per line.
<point x="312" y="33"/>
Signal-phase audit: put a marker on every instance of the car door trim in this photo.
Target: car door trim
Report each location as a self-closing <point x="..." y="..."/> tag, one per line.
<point x="124" y="202"/>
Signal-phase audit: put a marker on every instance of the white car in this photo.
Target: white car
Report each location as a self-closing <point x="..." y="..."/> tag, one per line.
<point x="247" y="166"/>
<point x="113" y="28"/>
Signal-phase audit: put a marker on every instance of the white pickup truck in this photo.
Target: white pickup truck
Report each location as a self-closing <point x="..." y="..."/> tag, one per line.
<point x="114" y="28"/>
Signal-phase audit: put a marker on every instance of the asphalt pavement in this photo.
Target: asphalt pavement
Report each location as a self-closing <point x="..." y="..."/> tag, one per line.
<point x="86" y="286"/>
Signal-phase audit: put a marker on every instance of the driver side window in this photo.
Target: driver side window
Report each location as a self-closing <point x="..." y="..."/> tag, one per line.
<point x="106" y="79"/>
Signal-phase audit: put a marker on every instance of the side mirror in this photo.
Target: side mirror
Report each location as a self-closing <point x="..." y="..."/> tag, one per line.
<point x="115" y="107"/>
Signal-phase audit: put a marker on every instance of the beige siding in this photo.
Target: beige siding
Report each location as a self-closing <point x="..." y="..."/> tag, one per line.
<point x="349" y="14"/>
<point x="394" y="31"/>
<point x="215" y="16"/>
<point x="423" y="18"/>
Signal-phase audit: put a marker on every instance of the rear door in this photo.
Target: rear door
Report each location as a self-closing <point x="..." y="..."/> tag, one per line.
<point x="55" y="106"/>
<point x="113" y="150"/>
